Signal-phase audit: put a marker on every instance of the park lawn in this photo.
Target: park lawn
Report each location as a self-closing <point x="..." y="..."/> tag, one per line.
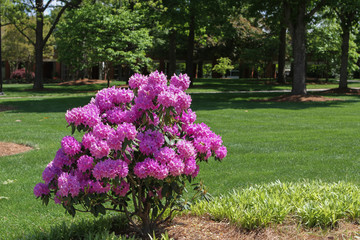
<point x="202" y="85"/>
<point x="266" y="142"/>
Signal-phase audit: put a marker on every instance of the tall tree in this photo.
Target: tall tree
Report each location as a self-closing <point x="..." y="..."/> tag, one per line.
<point x="272" y="13"/>
<point x="23" y="10"/>
<point x="100" y="34"/>
<point x="348" y="12"/>
<point x="4" y="5"/>
<point x="298" y="14"/>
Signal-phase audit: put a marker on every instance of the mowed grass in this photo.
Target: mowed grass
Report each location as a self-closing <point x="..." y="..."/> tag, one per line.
<point x="266" y="142"/>
<point x="200" y="86"/>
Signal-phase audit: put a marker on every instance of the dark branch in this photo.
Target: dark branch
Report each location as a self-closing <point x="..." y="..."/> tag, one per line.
<point x="47" y="4"/>
<point x="23" y="33"/>
<point x="316" y="8"/>
<point x="54" y="23"/>
<point x="5" y="24"/>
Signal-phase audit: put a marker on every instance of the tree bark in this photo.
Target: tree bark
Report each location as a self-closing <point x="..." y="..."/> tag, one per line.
<point x="172" y="53"/>
<point x="39" y="82"/>
<point x="200" y="69"/>
<point x="1" y="77"/>
<point x="190" y="50"/>
<point x="298" y="32"/>
<point x="345" y="37"/>
<point x="282" y="54"/>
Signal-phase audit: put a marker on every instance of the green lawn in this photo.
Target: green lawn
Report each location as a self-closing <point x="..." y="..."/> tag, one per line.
<point x="200" y="86"/>
<point x="266" y="142"/>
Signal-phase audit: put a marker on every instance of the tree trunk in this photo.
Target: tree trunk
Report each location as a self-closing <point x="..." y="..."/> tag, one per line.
<point x="190" y="50"/>
<point x="345" y="37"/>
<point x="299" y="51"/>
<point x="172" y="53"/>
<point x="1" y="77"/>
<point x="38" y="82"/>
<point x="282" y="54"/>
<point x="200" y="69"/>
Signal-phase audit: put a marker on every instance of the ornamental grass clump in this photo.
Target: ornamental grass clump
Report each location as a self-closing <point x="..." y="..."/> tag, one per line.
<point x="139" y="148"/>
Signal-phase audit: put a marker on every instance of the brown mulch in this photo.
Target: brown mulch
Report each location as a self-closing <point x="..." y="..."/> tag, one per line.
<point x="84" y="81"/>
<point x="201" y="228"/>
<point x="298" y="98"/>
<point x="346" y="91"/>
<point x="7" y="148"/>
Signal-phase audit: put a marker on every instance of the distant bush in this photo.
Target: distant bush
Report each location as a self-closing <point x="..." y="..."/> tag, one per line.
<point x="21" y="74"/>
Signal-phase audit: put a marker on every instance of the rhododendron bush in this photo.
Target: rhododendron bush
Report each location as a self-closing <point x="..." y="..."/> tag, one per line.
<point x="140" y="145"/>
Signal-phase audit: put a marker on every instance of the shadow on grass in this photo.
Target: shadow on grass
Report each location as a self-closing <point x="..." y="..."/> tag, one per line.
<point x="243" y="101"/>
<point x="46" y="105"/>
<point x="202" y="101"/>
<point x="220" y="84"/>
<point x="113" y="227"/>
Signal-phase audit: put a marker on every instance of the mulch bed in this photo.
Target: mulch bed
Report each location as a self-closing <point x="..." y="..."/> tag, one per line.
<point x="346" y="91"/>
<point x="84" y="81"/>
<point x="7" y="148"/>
<point x="201" y="228"/>
<point x="298" y="98"/>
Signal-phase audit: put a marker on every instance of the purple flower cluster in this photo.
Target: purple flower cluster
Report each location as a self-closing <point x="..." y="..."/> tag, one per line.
<point x="70" y="145"/>
<point x="86" y="116"/>
<point x="110" y="169"/>
<point x="150" y="141"/>
<point x="143" y="133"/>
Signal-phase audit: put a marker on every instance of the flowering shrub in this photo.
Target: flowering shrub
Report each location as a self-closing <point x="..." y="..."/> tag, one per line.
<point x="140" y="145"/>
<point x="22" y="74"/>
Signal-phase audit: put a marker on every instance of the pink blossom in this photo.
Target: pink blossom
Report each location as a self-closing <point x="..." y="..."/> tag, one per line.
<point x="183" y="102"/>
<point x="176" y="167"/>
<point x="140" y="170"/>
<point x="68" y="184"/>
<point x="102" y="131"/>
<point x="110" y="169"/>
<point x="187" y="118"/>
<point x="182" y="81"/>
<point x="70" y="145"/>
<point x="99" y="149"/>
<point x="85" y="163"/>
<point x="136" y="80"/>
<point x="167" y="98"/>
<point x="116" y="115"/>
<point x="61" y="159"/>
<point x="50" y="172"/>
<point x="41" y="189"/>
<point x="150" y="141"/>
<point x="126" y="130"/>
<point x="104" y="98"/>
<point x="172" y="129"/>
<point x="89" y="115"/>
<point x="122" y="189"/>
<point x="196" y="172"/>
<point x="221" y="152"/>
<point x="164" y="155"/>
<point x="122" y="95"/>
<point x="156" y="78"/>
<point x="87" y="139"/>
<point x="57" y="198"/>
<point x="185" y="149"/>
<point x="98" y="187"/>
<point x="145" y="98"/>
<point x="190" y="166"/>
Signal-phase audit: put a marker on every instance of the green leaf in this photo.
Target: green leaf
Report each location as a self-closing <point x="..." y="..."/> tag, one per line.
<point x="73" y="129"/>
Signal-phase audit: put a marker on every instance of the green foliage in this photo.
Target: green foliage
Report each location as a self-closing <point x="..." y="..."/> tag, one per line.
<point x="314" y="204"/>
<point x="223" y="65"/>
<point x="98" y="33"/>
<point x="17" y="49"/>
